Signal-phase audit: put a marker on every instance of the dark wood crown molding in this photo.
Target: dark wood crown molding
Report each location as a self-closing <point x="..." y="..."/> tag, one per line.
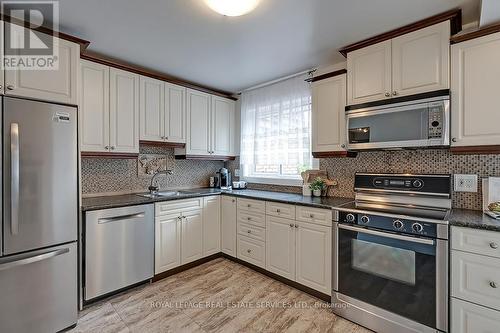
<point x="475" y="150"/>
<point x="328" y="154"/>
<point x="327" y="75"/>
<point x="454" y="15"/>
<point x="162" y="144"/>
<point x="82" y="42"/>
<point x="115" y="63"/>
<point x="488" y="30"/>
<point x="90" y="154"/>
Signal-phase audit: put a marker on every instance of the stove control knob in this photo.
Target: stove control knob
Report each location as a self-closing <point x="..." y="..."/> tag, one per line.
<point x="417" y="227"/>
<point x="365" y="219"/>
<point x="350" y="218"/>
<point x="418" y="183"/>
<point x="398" y="225"/>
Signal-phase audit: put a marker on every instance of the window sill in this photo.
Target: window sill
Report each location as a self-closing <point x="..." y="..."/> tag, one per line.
<point x="274" y="181"/>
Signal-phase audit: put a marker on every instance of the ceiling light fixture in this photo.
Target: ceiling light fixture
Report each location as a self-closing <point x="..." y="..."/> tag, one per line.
<point x="232" y="7"/>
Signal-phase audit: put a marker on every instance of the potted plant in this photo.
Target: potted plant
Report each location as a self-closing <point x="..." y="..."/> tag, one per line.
<point x="317" y="186"/>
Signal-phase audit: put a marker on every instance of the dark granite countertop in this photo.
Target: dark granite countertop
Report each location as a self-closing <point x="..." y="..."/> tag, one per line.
<point x="115" y="201"/>
<point x="473" y="219"/>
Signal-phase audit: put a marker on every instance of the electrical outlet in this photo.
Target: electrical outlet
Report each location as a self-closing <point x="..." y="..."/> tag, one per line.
<point x="465" y="183"/>
<point x="236" y="172"/>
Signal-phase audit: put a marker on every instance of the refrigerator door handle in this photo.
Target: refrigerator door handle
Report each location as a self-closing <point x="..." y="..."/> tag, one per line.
<point x="14" y="178"/>
<point x="30" y="260"/>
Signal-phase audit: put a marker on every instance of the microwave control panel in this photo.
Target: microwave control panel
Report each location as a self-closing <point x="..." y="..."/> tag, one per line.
<point x="435" y="122"/>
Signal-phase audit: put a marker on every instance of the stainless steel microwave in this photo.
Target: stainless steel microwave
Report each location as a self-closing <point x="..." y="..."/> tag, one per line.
<point x="413" y="124"/>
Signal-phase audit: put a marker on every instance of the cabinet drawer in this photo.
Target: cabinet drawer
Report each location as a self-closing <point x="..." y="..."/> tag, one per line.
<point x="176" y="206"/>
<point x="280" y="210"/>
<point x="252" y="218"/>
<point x="314" y="215"/>
<point x="471" y="318"/>
<point x="475" y="278"/>
<point x="252" y="231"/>
<point x="476" y="241"/>
<point x="252" y="251"/>
<point x="256" y="206"/>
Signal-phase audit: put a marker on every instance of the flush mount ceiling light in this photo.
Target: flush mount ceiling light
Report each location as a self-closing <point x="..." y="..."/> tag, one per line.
<point x="232" y="7"/>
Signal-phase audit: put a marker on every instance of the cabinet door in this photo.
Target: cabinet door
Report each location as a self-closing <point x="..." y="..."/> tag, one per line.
<point x="222" y="126"/>
<point x="198" y="123"/>
<point x="228" y="228"/>
<point x="175" y="113"/>
<point x="192" y="236"/>
<point x="369" y="73"/>
<point x="328" y="114"/>
<point x="152" y="109"/>
<point x="421" y="60"/>
<point x="475" y="78"/>
<point x="167" y="242"/>
<point x="124" y="111"/>
<point x="314" y="256"/>
<point x="211" y="226"/>
<point x="58" y="85"/>
<point x="280" y="246"/>
<point x="471" y="318"/>
<point x="94" y="107"/>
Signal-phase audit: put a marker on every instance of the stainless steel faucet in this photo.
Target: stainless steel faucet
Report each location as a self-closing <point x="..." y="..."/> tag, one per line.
<point x="154" y="189"/>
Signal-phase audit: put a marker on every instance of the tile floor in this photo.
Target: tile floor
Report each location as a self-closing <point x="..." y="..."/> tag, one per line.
<point x="218" y="296"/>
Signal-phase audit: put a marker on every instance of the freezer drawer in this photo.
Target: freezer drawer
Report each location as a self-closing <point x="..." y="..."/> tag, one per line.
<point x="39" y="290"/>
<point x="119" y="249"/>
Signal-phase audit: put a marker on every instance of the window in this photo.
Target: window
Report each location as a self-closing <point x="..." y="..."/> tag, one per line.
<point x="276" y="132"/>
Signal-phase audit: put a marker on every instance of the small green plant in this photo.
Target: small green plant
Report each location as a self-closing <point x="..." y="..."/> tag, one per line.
<point x="318" y="184"/>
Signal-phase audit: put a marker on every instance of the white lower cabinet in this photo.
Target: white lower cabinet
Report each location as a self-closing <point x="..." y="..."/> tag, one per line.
<point x="168" y="242"/>
<point x="228" y="225"/>
<point x="192" y="236"/>
<point x="314" y="256"/>
<point x="471" y="318"/>
<point x="211" y="226"/>
<point x="280" y="245"/>
<point x="252" y="251"/>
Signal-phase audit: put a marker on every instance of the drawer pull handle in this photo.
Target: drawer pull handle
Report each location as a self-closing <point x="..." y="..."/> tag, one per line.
<point x="311" y="216"/>
<point x="291" y="225"/>
<point x="493" y="284"/>
<point x="494" y="245"/>
<point x="296" y="226"/>
<point x="249" y="251"/>
<point x="249" y="205"/>
<point x="278" y="210"/>
<point x="249" y="218"/>
<point x="249" y="231"/>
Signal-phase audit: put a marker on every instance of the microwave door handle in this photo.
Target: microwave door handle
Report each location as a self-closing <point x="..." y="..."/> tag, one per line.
<point x="14" y="178"/>
<point x="388" y="235"/>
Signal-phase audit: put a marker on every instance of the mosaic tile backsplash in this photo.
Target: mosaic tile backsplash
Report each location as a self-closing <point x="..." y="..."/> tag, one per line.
<point x="101" y="176"/>
<point x="432" y="161"/>
<point x="105" y="176"/>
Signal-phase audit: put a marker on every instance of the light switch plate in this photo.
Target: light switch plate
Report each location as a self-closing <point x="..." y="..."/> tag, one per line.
<point x="236" y="172"/>
<point x="465" y="183"/>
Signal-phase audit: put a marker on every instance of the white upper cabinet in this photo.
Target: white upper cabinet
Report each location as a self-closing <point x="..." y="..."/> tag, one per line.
<point x="410" y="64"/>
<point x="58" y="86"/>
<point x="175" y="113"/>
<point x="198" y="113"/>
<point x="328" y="114"/>
<point x="124" y="111"/>
<point x="94" y="107"/>
<point x="369" y="73"/>
<point x="152" y="114"/>
<point x="222" y="130"/>
<point x="421" y="60"/>
<point x="475" y="78"/>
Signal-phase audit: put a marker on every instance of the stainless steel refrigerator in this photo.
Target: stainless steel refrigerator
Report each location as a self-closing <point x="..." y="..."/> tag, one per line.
<point x="38" y="251"/>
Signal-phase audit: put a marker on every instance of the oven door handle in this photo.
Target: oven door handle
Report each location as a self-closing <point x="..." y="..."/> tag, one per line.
<point x="425" y="241"/>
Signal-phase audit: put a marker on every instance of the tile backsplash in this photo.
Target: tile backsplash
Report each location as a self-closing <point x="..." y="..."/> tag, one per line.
<point x="101" y="176"/>
<point x="105" y="176"/>
<point x="432" y="161"/>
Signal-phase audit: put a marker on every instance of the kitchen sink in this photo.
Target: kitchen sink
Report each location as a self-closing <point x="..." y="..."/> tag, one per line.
<point x="161" y="194"/>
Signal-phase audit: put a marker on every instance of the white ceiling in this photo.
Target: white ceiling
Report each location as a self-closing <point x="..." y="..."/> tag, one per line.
<point x="186" y="39"/>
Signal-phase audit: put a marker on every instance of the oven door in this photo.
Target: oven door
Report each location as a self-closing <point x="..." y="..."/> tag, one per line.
<point x="394" y="272"/>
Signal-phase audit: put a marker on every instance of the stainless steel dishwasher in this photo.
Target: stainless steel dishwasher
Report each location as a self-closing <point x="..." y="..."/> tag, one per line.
<point x="119" y="249"/>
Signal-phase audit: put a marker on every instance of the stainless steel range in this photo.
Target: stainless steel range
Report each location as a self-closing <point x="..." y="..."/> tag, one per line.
<point x="390" y="269"/>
